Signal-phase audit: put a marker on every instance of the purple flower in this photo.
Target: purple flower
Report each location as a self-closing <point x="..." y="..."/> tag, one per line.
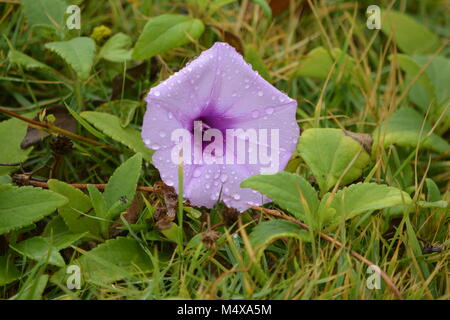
<point x="219" y="90"/>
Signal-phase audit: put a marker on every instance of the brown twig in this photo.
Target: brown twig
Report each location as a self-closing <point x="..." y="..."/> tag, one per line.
<point x="80" y="186"/>
<point x="338" y="244"/>
<point x="50" y="127"/>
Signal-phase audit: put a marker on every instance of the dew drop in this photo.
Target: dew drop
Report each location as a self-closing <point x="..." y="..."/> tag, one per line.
<point x="255" y="113"/>
<point x="223" y="177"/>
<point x="170" y="115"/>
<point x="162" y="134"/>
<point x="269" y="110"/>
<point x="236" y="196"/>
<point x="157" y="93"/>
<point x="260" y="93"/>
<point x="197" y="173"/>
<point x="155" y="146"/>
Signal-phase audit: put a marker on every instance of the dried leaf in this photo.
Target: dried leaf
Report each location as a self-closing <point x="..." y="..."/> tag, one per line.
<point x="63" y="120"/>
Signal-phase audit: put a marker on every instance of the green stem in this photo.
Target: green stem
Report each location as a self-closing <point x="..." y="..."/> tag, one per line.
<point x="78" y="95"/>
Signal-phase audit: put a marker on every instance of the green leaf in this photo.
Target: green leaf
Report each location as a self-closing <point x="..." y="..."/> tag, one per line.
<point x="20" y="207"/>
<point x="58" y="234"/>
<point x="121" y="187"/>
<point x="114" y="260"/>
<point x="172" y="233"/>
<point x="124" y="108"/>
<point x="410" y="36"/>
<point x="403" y="128"/>
<point x="33" y="288"/>
<point x="328" y="153"/>
<point x="8" y="271"/>
<point x="98" y="201"/>
<point x="290" y="191"/>
<point x="415" y="250"/>
<point x="267" y="232"/>
<point x="433" y="193"/>
<point x="111" y="126"/>
<point x="217" y="4"/>
<point x="79" y="53"/>
<point x="115" y="49"/>
<point x="39" y="249"/>
<point x="164" y="33"/>
<point x="265" y="7"/>
<point x="359" y="198"/>
<point x="48" y="13"/>
<point x="431" y="85"/>
<point x="72" y="212"/>
<point x="12" y="133"/>
<point x="252" y="56"/>
<point x="25" y="61"/>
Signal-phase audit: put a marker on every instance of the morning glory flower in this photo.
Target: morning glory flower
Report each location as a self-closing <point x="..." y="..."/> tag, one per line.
<point x="225" y="122"/>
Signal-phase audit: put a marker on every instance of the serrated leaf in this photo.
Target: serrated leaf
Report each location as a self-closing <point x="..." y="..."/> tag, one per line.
<point x="121" y="187"/>
<point x="410" y="36"/>
<point x="39" y="249"/>
<point x="166" y="32"/>
<point x="290" y="191"/>
<point x="8" y="271"/>
<point x="72" y="212"/>
<point x="78" y="52"/>
<point x="328" y="153"/>
<point x="25" y="61"/>
<point x="114" y="260"/>
<point x="12" y="132"/>
<point x="111" y="126"/>
<point x="22" y="206"/>
<point x="403" y="128"/>
<point x="267" y="232"/>
<point x="116" y="48"/>
<point x="48" y="13"/>
<point x="359" y="198"/>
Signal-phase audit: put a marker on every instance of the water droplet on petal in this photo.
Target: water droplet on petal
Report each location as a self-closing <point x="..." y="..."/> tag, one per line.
<point x="169" y="183"/>
<point x="147" y="141"/>
<point x="155" y="146"/>
<point x="236" y="196"/>
<point x="170" y="115"/>
<point x="269" y="110"/>
<point x="157" y="93"/>
<point x="260" y="93"/>
<point x="197" y="173"/>
<point x="255" y="113"/>
<point x="162" y="134"/>
<point x="223" y="177"/>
